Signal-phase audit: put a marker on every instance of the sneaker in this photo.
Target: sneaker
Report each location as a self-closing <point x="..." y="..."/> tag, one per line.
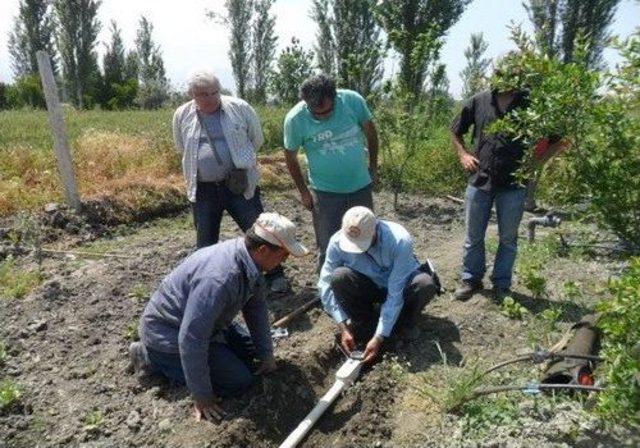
<point x="279" y="284"/>
<point x="138" y="359"/>
<point x="500" y="293"/>
<point x="467" y="289"/>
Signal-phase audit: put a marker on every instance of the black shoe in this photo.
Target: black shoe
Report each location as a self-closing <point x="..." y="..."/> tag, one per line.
<point x="500" y="293"/>
<point x="467" y="289"/>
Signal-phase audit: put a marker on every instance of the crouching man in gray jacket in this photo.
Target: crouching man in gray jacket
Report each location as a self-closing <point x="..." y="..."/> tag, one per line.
<point x="187" y="331"/>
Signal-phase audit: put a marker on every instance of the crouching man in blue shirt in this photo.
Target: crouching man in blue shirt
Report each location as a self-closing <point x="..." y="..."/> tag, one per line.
<point x="370" y="262"/>
<point x="186" y="330"/>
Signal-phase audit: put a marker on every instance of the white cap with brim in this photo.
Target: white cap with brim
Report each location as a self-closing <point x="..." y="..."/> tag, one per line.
<point x="279" y="231"/>
<point x="358" y="230"/>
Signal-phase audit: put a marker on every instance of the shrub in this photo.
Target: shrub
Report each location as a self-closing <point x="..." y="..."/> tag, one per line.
<point x="620" y="325"/>
<point x="602" y="166"/>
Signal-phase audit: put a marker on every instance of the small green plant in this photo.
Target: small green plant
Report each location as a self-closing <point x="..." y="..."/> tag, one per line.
<point x="93" y="421"/>
<point x="9" y="394"/>
<point x="571" y="290"/>
<point x="513" y="309"/>
<point x="620" y="325"/>
<point x="481" y="416"/>
<point x="131" y="331"/>
<point x="550" y="317"/>
<point x="139" y="292"/>
<point x="532" y="263"/>
<point x="3" y="354"/>
<point x="16" y="282"/>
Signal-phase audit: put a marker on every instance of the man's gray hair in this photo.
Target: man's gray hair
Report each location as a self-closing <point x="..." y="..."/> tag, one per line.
<point x="201" y="80"/>
<point x="316" y="88"/>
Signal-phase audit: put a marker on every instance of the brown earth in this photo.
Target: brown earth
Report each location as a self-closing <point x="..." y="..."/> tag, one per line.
<point x="67" y="350"/>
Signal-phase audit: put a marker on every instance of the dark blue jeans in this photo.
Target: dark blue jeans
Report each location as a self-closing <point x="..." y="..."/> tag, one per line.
<point x="509" y="210"/>
<point x="229" y="363"/>
<point x="212" y="199"/>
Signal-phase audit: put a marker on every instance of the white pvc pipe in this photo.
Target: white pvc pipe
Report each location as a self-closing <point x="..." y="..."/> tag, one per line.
<point x="345" y="376"/>
<point x="303" y="428"/>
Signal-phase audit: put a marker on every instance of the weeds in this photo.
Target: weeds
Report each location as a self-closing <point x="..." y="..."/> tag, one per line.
<point x="139" y="292"/>
<point x="512" y="309"/>
<point x="9" y="394"/>
<point x="93" y="421"/>
<point x="16" y="282"/>
<point x="131" y="332"/>
<point x="532" y="263"/>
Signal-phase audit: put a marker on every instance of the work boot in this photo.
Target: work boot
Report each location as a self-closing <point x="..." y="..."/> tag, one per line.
<point x="138" y="359"/>
<point x="467" y="289"/>
<point x="500" y="293"/>
<point x="279" y="284"/>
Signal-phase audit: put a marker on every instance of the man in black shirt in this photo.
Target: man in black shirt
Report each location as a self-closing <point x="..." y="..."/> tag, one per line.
<point x="492" y="165"/>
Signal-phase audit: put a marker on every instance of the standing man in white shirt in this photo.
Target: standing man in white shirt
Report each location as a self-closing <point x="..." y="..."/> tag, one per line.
<point x="218" y="137"/>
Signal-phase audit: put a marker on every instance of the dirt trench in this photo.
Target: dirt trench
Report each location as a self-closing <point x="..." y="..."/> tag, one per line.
<point x="67" y="351"/>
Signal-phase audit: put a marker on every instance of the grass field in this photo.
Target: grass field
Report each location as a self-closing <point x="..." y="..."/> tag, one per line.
<point x="128" y="157"/>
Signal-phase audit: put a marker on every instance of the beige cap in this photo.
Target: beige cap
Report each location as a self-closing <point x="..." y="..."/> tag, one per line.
<point x="358" y="230"/>
<point x="279" y="231"/>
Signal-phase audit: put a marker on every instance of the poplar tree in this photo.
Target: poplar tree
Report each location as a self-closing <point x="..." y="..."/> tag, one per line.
<point x="415" y="29"/>
<point x="33" y="30"/>
<point x="348" y="42"/>
<point x="239" y="14"/>
<point x="153" y="84"/>
<point x="78" y="28"/>
<point x="264" y="48"/>
<point x="325" y="44"/>
<point x="474" y="75"/>
<point x="559" y="23"/>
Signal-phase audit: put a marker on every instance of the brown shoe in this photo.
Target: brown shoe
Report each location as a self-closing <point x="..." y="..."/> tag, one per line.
<point x="467" y="289"/>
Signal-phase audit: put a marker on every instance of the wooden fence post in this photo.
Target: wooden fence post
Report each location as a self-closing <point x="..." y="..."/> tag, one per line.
<point x="56" y="119"/>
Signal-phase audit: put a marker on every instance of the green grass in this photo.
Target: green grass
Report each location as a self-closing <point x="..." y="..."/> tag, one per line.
<point x="16" y="282"/>
<point x="10" y="394"/>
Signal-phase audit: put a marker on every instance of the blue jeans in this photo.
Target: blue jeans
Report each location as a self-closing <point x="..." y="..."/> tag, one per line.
<point x="509" y="210"/>
<point x="229" y="363"/>
<point x="212" y="199"/>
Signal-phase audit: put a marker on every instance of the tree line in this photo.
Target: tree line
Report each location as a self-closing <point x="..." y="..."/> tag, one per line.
<point x="67" y="30"/>
<point x="353" y="38"/>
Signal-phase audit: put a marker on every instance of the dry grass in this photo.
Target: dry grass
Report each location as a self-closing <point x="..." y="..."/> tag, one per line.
<point x="108" y="164"/>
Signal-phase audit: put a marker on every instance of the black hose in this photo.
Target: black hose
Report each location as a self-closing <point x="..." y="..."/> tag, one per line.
<point x="541" y="356"/>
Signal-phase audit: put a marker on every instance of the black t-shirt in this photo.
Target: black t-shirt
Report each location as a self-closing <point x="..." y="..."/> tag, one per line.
<point x="499" y="156"/>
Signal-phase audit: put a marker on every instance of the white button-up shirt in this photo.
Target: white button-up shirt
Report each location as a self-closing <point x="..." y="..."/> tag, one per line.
<point x="241" y="129"/>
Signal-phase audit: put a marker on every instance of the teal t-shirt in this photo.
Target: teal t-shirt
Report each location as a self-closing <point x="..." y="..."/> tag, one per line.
<point x="335" y="147"/>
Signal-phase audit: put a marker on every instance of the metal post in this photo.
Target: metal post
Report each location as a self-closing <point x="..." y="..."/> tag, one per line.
<point x="56" y="120"/>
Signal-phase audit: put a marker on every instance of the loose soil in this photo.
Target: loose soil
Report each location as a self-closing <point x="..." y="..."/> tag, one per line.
<point x="67" y="347"/>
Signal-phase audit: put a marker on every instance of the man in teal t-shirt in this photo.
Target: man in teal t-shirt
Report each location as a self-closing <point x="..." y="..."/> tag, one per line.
<point x="336" y="131"/>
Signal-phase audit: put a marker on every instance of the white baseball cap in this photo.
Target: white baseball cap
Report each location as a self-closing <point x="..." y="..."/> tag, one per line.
<point x="279" y="231"/>
<point x="358" y="230"/>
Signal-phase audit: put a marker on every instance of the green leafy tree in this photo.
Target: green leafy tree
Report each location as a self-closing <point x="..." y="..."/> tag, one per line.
<point x="559" y="24"/>
<point x="237" y="18"/>
<point x="349" y="43"/>
<point x="545" y="15"/>
<point x="26" y="91"/>
<point x="325" y="47"/>
<point x="474" y="75"/>
<point x="602" y="167"/>
<point x="415" y="29"/>
<point x="113" y="63"/>
<point x="264" y="48"/>
<point x="153" y="89"/>
<point x="33" y="30"/>
<point x="78" y="28"/>
<point x="293" y="66"/>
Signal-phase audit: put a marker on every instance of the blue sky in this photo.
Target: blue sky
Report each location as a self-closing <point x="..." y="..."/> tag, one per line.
<point x="189" y="41"/>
